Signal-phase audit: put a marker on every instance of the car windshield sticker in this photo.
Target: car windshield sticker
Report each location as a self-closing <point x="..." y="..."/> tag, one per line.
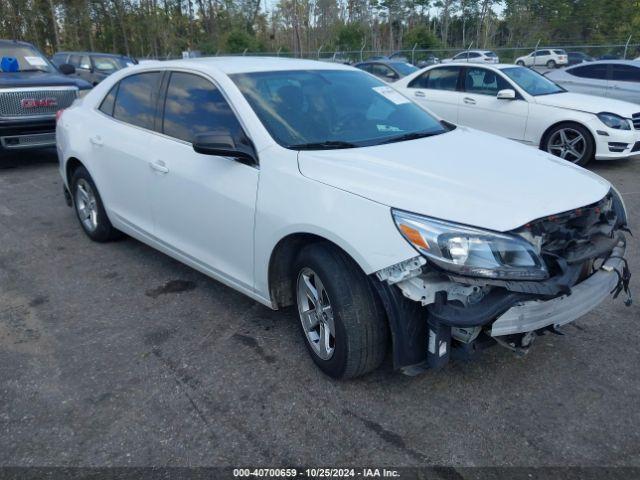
<point x="36" y="61"/>
<point x="391" y="95"/>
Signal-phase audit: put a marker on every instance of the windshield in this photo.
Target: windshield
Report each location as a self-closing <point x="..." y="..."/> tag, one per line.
<point x="28" y="59"/>
<point x="321" y="109"/>
<point x="404" y="68"/>
<point x="532" y="82"/>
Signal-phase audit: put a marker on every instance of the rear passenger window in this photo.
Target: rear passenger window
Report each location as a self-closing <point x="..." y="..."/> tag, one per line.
<point x="438" y="79"/>
<point x="74" y="60"/>
<point x="194" y="105"/>
<point x="109" y="101"/>
<point x="625" y="73"/>
<point x="136" y="99"/>
<point x="598" y="72"/>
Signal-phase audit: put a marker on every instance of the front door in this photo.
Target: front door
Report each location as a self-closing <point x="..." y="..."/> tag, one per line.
<point x="480" y="108"/>
<point x="203" y="205"/>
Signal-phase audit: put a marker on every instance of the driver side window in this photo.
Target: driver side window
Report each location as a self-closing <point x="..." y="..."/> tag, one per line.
<point x="484" y="82"/>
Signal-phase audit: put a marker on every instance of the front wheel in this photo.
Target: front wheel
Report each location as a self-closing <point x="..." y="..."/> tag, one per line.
<point x="520" y="63"/>
<point x="571" y="142"/>
<point x="341" y="318"/>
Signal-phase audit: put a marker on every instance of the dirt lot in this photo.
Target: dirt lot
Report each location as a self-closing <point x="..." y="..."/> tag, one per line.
<point x="115" y="354"/>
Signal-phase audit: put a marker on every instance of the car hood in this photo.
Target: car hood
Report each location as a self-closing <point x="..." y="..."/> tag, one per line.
<point x="588" y="103"/>
<point x="40" y="79"/>
<point x="463" y="176"/>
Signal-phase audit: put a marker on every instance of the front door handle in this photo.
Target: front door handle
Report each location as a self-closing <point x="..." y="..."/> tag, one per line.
<point x="469" y="101"/>
<point x="96" y="140"/>
<point x="159" y="166"/>
<point x="419" y="94"/>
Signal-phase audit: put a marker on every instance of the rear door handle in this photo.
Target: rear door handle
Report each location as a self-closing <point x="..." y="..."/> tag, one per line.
<point x="419" y="94"/>
<point x="159" y="166"/>
<point x="469" y="101"/>
<point x="96" y="140"/>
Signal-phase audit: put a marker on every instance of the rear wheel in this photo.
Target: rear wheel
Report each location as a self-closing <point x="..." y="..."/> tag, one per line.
<point x="89" y="208"/>
<point x="571" y="142"/>
<point x="341" y="318"/>
<point x="551" y="64"/>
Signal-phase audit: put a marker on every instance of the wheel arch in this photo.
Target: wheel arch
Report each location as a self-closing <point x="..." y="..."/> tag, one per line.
<point x="584" y="125"/>
<point x="71" y="165"/>
<point x="280" y="279"/>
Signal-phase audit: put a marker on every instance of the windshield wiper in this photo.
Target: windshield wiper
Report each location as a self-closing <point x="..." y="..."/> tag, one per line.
<point x="326" y="145"/>
<point x="409" y="136"/>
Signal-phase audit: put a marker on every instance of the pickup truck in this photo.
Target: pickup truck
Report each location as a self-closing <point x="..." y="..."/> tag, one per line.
<point x="32" y="90"/>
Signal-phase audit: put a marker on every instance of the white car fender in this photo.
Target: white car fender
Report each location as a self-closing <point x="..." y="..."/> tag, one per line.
<point x="364" y="229"/>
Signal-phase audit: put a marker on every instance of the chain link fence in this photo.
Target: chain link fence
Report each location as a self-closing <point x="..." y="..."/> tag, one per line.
<point x="422" y="57"/>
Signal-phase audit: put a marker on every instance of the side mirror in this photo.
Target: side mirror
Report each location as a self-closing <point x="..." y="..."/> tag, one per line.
<point x="67" y="69"/>
<point x="507" y="94"/>
<point x="221" y="144"/>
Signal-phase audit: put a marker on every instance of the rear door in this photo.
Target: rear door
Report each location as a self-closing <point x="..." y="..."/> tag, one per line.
<point x="590" y="79"/>
<point x="481" y="109"/>
<point x="625" y="82"/>
<point x="437" y="90"/>
<point x="203" y="205"/>
<point x="121" y="139"/>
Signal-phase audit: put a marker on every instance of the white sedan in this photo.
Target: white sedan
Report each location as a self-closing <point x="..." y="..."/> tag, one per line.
<point x="316" y="185"/>
<point x="619" y="79"/>
<point x="520" y="104"/>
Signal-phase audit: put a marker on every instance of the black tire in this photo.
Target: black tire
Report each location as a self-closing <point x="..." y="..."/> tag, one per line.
<point x="551" y="64"/>
<point x="520" y="63"/>
<point x="590" y="149"/>
<point x="103" y="231"/>
<point x="361" y="331"/>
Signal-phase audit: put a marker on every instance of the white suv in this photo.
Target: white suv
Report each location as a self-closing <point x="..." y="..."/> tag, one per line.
<point x="549" y="57"/>
<point x="474" y="56"/>
<point x="316" y="185"/>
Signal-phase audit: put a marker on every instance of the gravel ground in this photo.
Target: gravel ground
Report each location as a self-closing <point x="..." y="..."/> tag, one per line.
<point x="115" y="354"/>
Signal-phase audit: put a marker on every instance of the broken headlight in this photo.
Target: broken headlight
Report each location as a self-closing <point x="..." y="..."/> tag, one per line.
<point x="471" y="251"/>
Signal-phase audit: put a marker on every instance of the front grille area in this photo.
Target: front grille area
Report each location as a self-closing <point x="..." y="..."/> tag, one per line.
<point x="35" y="101"/>
<point x="635" y="118"/>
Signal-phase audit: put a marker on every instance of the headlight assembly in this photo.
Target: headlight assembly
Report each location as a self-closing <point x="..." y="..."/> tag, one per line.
<point x="83" y="93"/>
<point x="612" y="120"/>
<point x="471" y="251"/>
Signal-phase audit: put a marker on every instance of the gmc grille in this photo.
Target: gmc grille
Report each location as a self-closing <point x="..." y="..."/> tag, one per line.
<point x="635" y="118"/>
<point x="33" y="102"/>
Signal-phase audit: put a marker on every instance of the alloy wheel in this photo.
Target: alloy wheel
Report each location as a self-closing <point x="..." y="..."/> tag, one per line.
<point x="316" y="314"/>
<point x="86" y="205"/>
<point x="567" y="143"/>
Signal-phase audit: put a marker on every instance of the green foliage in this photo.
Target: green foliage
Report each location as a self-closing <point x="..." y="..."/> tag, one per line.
<point x="237" y="41"/>
<point x="421" y="36"/>
<point x="349" y="36"/>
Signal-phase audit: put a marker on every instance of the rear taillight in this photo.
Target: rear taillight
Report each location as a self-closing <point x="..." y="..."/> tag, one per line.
<point x="59" y="115"/>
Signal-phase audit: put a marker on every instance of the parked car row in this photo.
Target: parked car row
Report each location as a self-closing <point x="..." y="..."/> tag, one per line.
<point x="316" y="185"/>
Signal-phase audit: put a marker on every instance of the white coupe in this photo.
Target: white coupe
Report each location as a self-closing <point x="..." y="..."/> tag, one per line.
<point x="520" y="104"/>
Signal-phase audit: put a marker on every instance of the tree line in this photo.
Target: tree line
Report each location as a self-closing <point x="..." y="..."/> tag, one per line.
<point x="165" y="28"/>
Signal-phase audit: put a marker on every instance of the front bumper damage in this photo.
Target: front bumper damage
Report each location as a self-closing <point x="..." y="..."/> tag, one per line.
<point x="435" y="316"/>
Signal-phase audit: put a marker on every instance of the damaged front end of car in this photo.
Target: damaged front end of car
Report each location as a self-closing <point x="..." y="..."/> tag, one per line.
<point x="476" y="288"/>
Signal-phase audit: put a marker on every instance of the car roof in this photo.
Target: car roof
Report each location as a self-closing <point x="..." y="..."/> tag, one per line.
<point x="384" y="61"/>
<point x="90" y="53"/>
<point x="491" y="66"/>
<point x="5" y="43"/>
<point x="231" y="65"/>
<point x="635" y="63"/>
